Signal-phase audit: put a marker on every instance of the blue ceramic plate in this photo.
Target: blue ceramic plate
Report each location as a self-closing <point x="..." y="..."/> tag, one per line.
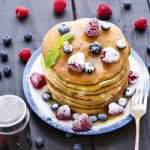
<point x="42" y="109"/>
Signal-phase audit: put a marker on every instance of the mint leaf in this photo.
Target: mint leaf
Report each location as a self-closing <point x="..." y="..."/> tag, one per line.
<point x="52" y="57"/>
<point x="65" y="38"/>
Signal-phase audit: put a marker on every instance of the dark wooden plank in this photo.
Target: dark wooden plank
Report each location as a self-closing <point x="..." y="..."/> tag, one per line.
<point x="40" y="20"/>
<point x="123" y="138"/>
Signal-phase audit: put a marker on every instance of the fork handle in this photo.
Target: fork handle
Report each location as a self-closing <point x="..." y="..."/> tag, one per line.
<point x="137" y="122"/>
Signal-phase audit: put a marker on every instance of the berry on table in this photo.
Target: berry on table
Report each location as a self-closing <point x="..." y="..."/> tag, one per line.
<point x="39" y="141"/>
<point x="25" y="54"/>
<point x="7" y="71"/>
<point x="28" y="36"/>
<point x="54" y="106"/>
<point x="140" y="24"/>
<point x="104" y="11"/>
<point x="7" y="40"/>
<point x="63" y="28"/>
<point x="105" y="25"/>
<point x="67" y="48"/>
<point x="59" y="6"/>
<point x="77" y="147"/>
<point x="102" y="117"/>
<point x="127" y="4"/>
<point x="148" y="49"/>
<point x="0" y="74"/>
<point x="89" y="68"/>
<point x="4" y="56"/>
<point x="95" y="48"/>
<point x="46" y="96"/>
<point x="22" y="12"/>
<point x="93" y="118"/>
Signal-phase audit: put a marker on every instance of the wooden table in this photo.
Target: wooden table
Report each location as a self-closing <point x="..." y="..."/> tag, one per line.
<point x="41" y="19"/>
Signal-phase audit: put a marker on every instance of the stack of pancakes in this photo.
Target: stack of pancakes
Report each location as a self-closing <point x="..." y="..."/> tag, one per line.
<point x="87" y="93"/>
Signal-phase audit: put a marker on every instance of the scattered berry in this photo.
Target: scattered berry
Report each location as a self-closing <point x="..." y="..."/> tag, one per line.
<point x="39" y="142"/>
<point x="148" y="49"/>
<point x="22" y="12"/>
<point x="133" y="77"/>
<point x="7" y="40"/>
<point x="25" y="54"/>
<point x="127" y="4"/>
<point x="0" y="74"/>
<point x="109" y="55"/>
<point x="122" y="102"/>
<point x="7" y="71"/>
<point x="67" y="48"/>
<point x="27" y="36"/>
<point x="59" y="6"/>
<point x="104" y="11"/>
<point x="82" y="123"/>
<point x="69" y="135"/>
<point x="75" y="115"/>
<point x="105" y="25"/>
<point x="102" y="117"/>
<point x="4" y="56"/>
<point x="63" y="28"/>
<point x="77" y="147"/>
<point x="63" y="113"/>
<point x="46" y="96"/>
<point x="115" y="109"/>
<point x="121" y="44"/>
<point x="148" y="67"/>
<point x="92" y="28"/>
<point x="89" y="68"/>
<point x="95" y="48"/>
<point x="130" y="91"/>
<point x="141" y="23"/>
<point x="54" y="106"/>
<point x="93" y="118"/>
<point x="38" y="80"/>
<point x="76" y="62"/>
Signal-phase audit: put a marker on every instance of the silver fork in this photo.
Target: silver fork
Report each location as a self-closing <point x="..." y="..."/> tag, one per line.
<point x="138" y="107"/>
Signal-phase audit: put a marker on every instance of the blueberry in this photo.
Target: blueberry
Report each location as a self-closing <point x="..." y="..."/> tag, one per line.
<point x="148" y="67"/>
<point x="27" y="36"/>
<point x="105" y="25"/>
<point x="102" y="117"/>
<point x="54" y="106"/>
<point x="89" y="68"/>
<point x="148" y="49"/>
<point x="46" y="96"/>
<point x="67" y="48"/>
<point x="63" y="28"/>
<point x="93" y="118"/>
<point x="69" y="135"/>
<point x="127" y="4"/>
<point x="39" y="142"/>
<point x="75" y="115"/>
<point x="77" y="147"/>
<point x="7" y="40"/>
<point x="95" y="48"/>
<point x="4" y="56"/>
<point x="7" y="71"/>
<point x="0" y="74"/>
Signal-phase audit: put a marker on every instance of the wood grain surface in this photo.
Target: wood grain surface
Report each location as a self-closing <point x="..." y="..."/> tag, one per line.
<point x="40" y="20"/>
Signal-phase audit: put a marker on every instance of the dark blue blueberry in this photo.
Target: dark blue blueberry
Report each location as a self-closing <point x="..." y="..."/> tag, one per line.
<point x="46" y="96"/>
<point x="89" y="68"/>
<point x="102" y="117"/>
<point x="63" y="28"/>
<point x="0" y="74"/>
<point x="39" y="142"/>
<point x="95" y="48"/>
<point x="127" y="4"/>
<point x="67" y="48"/>
<point x="148" y="67"/>
<point x="93" y="118"/>
<point x="77" y="147"/>
<point x="4" y="56"/>
<point x="7" y="71"/>
<point x="54" y="106"/>
<point x="148" y="49"/>
<point x="7" y="40"/>
<point x="69" y="135"/>
<point x="28" y="36"/>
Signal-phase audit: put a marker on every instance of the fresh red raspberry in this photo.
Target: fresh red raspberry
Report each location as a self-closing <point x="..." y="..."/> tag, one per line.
<point x="22" y="12"/>
<point x="59" y="6"/>
<point x="141" y="23"/>
<point x="82" y="123"/>
<point x="25" y="54"/>
<point x="104" y="10"/>
<point x="38" y="80"/>
<point x="133" y="77"/>
<point x="63" y="113"/>
<point x="115" y="109"/>
<point x="92" y="28"/>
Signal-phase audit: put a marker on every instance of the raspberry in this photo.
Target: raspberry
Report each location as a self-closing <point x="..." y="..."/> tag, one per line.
<point x="92" y="28"/>
<point x="63" y="113"/>
<point x="141" y="23"/>
<point x="104" y="11"/>
<point x="59" y="6"/>
<point x="115" y="109"/>
<point x="25" y="54"/>
<point x="22" y="12"/>
<point x="38" y="80"/>
<point x="82" y="123"/>
<point x="133" y="77"/>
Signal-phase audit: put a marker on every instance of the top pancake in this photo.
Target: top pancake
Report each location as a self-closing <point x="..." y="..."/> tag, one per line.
<point x="81" y="43"/>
